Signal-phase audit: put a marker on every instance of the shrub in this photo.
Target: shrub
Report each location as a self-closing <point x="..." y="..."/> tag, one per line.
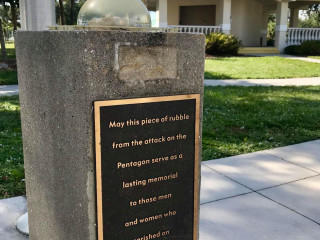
<point x="270" y="43"/>
<point x="311" y="47"/>
<point x="293" y="50"/>
<point x="222" y="44"/>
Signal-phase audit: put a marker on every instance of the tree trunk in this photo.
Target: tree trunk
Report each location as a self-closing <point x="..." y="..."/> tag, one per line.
<point x="14" y="15"/>
<point x="72" y="11"/>
<point x="61" y="12"/>
<point x="3" y="45"/>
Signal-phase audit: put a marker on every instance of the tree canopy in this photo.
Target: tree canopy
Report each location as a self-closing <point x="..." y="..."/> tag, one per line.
<point x="13" y="16"/>
<point x="67" y="11"/>
<point x="313" y="17"/>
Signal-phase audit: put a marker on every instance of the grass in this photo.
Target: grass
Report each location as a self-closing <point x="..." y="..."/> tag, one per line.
<point x="11" y="157"/>
<point x="259" y="68"/>
<point x="236" y="120"/>
<point x="240" y="120"/>
<point x="11" y="52"/>
<point x="10" y="45"/>
<point x="9" y="76"/>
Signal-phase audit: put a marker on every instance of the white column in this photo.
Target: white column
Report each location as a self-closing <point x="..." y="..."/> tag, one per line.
<point x="281" y="27"/>
<point x="226" y="16"/>
<point x="294" y="17"/>
<point x="37" y="15"/>
<point x="22" y="6"/>
<point x="162" y="13"/>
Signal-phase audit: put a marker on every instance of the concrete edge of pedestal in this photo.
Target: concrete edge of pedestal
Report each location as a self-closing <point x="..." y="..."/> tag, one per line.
<point x="87" y="73"/>
<point x="23" y="224"/>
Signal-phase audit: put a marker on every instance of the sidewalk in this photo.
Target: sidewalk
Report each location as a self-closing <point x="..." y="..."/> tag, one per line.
<point x="10" y="211"/>
<point x="285" y="56"/>
<point x="272" y="194"/>
<point x="264" y="82"/>
<point x="8" y="90"/>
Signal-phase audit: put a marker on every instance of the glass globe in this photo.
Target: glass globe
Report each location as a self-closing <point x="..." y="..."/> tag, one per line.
<point x="125" y="13"/>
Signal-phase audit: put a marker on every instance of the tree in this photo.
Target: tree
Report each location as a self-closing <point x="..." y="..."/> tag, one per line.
<point x="61" y="8"/>
<point x="14" y="9"/>
<point x="271" y="29"/>
<point x="7" y="26"/>
<point x="72" y="13"/>
<point x="69" y="9"/>
<point x="314" y="9"/>
<point x="313" y="17"/>
<point x="3" y="45"/>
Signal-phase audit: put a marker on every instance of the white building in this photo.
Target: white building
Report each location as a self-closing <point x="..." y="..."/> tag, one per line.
<point x="246" y="19"/>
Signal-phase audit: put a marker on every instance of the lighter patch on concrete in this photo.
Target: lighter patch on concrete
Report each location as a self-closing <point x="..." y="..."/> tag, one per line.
<point x="116" y="48"/>
<point x="146" y="63"/>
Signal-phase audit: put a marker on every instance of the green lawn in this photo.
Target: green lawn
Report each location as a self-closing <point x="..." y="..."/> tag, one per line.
<point x="236" y="120"/>
<point x="11" y="157"/>
<point x="10" y="45"/>
<point x="259" y="68"/>
<point x="9" y="76"/>
<point x="11" y="52"/>
<point x="240" y="120"/>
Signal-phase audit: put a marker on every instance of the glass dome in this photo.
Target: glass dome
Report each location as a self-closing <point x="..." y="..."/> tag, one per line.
<point x="125" y="13"/>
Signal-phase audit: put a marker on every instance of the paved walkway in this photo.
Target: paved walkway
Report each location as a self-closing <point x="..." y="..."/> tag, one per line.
<point x="264" y="82"/>
<point x="10" y="211"/>
<point x="272" y="194"/>
<point x="13" y="89"/>
<point x="286" y="56"/>
<point x="7" y="90"/>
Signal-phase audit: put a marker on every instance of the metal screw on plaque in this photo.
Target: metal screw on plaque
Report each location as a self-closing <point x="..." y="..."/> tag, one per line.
<point x="104" y="13"/>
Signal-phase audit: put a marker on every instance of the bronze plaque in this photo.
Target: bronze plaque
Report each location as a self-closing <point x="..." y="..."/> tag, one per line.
<point x="147" y="168"/>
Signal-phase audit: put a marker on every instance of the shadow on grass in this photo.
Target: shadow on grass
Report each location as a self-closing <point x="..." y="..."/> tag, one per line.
<point x="213" y="75"/>
<point x="8" y="77"/>
<point x="11" y="54"/>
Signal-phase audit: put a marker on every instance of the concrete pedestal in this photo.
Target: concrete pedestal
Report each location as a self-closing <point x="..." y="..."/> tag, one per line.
<point x="61" y="74"/>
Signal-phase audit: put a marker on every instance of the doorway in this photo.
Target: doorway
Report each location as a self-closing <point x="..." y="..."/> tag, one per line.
<point x="198" y="15"/>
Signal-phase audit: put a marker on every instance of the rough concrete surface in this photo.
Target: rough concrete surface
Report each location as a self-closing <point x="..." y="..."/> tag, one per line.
<point x="61" y="74"/>
<point x="10" y="211"/>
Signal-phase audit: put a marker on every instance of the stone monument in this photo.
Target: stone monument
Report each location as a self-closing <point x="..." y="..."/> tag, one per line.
<point x="111" y="120"/>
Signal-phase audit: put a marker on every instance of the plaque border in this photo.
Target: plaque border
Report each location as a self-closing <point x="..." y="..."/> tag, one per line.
<point x="105" y="103"/>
